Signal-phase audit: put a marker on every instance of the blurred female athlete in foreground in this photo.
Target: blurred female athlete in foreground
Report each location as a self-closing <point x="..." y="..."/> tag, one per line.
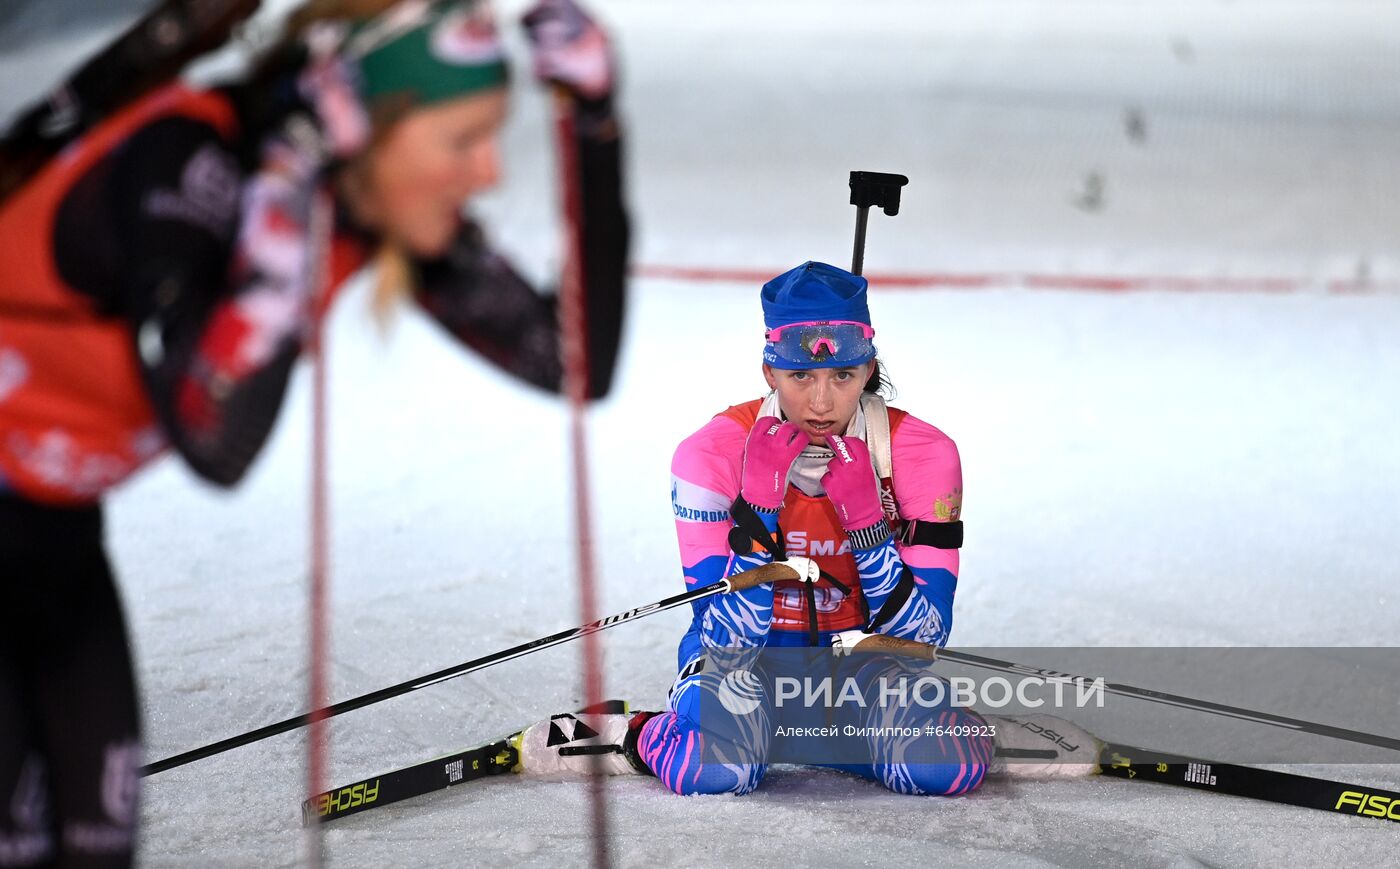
<point x="160" y="276"/>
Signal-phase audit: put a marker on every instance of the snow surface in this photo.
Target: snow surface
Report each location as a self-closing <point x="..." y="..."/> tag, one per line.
<point x="1141" y="469"/>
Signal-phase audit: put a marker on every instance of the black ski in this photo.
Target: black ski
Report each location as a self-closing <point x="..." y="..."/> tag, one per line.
<point x="1140" y="764"/>
<point x="1119" y="761"/>
<point x="493" y="758"/>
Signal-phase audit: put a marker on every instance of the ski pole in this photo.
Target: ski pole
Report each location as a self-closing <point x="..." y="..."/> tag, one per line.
<point x="320" y="226"/>
<point x="738" y="582"/>
<point x="573" y="323"/>
<point x="872" y="188"/>
<point x="912" y="648"/>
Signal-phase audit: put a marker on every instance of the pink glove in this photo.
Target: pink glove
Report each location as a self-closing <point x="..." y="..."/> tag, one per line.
<point x="851" y="485"/>
<point x="570" y="48"/>
<point x="769" y="453"/>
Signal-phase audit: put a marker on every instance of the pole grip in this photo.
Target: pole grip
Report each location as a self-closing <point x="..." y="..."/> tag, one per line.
<point x="877" y="189"/>
<point x="872" y="190"/>
<point x="759" y="575"/>
<point x="883" y="643"/>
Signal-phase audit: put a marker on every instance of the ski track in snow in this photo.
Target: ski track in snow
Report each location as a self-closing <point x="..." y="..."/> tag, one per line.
<point x="1143" y="469"/>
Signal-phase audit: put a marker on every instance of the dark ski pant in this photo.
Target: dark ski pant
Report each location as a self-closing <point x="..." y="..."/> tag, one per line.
<point x="69" y="741"/>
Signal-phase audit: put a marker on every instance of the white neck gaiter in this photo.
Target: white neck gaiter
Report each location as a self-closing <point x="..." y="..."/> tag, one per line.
<point x="806" y="473"/>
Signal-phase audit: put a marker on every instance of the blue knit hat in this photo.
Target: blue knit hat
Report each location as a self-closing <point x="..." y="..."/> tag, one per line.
<point x="832" y="300"/>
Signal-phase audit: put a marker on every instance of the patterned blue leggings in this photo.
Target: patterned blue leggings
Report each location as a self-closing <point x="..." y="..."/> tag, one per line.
<point x="916" y="748"/>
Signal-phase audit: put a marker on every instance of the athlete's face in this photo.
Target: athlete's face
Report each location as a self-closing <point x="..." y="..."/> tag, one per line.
<point x="821" y="401"/>
<point x="419" y="175"/>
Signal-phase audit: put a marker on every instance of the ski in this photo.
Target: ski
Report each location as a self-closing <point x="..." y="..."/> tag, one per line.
<point x="497" y="757"/>
<point x="1139" y="764"/>
<point x="502" y="756"/>
<point x="482" y="761"/>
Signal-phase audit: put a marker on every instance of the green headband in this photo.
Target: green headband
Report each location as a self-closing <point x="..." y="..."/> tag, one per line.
<point x="427" y="51"/>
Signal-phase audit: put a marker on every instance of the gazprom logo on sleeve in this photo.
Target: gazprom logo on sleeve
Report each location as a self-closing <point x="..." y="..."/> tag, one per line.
<point x="692" y="503"/>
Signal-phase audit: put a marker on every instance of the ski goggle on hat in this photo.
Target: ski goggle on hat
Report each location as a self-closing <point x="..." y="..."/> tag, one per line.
<point x="817" y="317"/>
<point x="819" y="344"/>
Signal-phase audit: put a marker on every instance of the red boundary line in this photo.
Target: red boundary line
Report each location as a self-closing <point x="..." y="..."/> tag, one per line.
<point x="1035" y="281"/>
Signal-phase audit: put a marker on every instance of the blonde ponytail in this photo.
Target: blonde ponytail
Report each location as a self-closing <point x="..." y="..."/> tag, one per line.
<point x="394" y="281"/>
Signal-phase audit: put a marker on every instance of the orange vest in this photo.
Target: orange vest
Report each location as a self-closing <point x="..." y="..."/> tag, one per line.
<point x="75" y="416"/>
<point x="810" y="527"/>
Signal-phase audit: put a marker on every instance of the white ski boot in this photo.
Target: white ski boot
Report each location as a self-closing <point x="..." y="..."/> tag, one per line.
<point x="1043" y="747"/>
<point x="566" y="745"/>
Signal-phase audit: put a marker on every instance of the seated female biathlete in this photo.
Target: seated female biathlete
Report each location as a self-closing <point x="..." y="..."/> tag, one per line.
<point x="801" y="459"/>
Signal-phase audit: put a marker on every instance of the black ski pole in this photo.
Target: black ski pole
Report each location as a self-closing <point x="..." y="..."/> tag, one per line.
<point x="912" y="648"/>
<point x="880" y="189"/>
<point x="1177" y="700"/>
<point x="738" y="582"/>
